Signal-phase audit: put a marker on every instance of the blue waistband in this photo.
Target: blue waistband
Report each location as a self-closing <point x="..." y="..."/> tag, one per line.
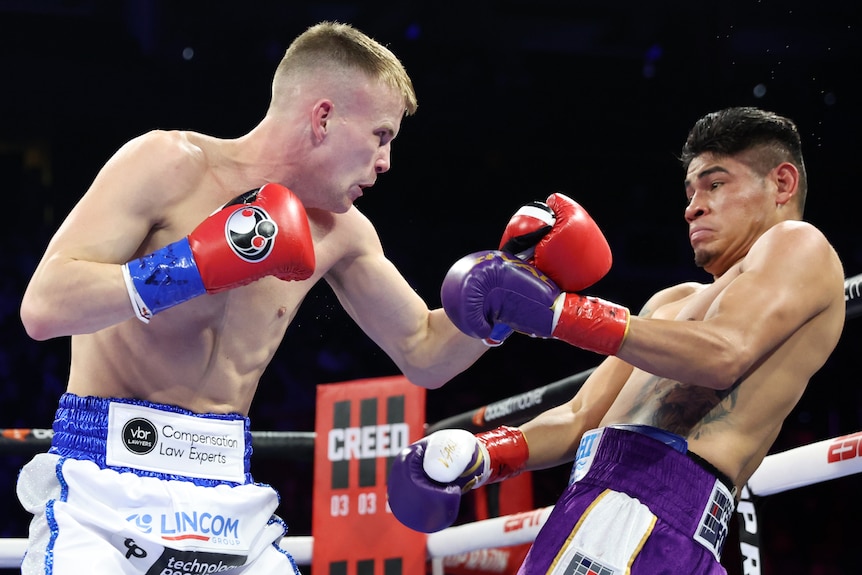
<point x="677" y="442"/>
<point x="81" y="431"/>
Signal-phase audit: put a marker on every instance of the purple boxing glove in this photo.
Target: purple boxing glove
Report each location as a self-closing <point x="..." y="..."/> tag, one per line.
<point x="428" y="477"/>
<point x="490" y="287"/>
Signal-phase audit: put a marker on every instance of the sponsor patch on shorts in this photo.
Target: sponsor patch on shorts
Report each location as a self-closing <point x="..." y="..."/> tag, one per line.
<point x="712" y="529"/>
<point x="585" y="454"/>
<point x="154" y="440"/>
<point x="583" y="565"/>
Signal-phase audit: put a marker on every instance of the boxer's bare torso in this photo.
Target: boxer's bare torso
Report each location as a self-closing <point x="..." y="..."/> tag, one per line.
<point x="732" y="428"/>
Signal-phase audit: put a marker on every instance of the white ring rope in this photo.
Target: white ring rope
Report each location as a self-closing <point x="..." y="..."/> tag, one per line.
<point x="808" y="464"/>
<point x="488" y="533"/>
<point x="791" y="469"/>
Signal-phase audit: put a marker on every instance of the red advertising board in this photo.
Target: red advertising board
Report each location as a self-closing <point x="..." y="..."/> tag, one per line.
<point x="360" y="426"/>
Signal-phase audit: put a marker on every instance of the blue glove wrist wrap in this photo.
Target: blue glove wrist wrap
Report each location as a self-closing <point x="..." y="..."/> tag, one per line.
<point x="164" y="278"/>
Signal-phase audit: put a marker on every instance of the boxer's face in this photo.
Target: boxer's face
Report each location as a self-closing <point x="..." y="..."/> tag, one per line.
<point x="358" y="142"/>
<point x="729" y="207"/>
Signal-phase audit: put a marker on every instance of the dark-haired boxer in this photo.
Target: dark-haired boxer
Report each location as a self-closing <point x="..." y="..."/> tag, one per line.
<point x="694" y="390"/>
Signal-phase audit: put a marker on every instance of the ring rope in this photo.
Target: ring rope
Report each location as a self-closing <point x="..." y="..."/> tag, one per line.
<point x="853" y="296"/>
<point x="516" y="409"/>
<point x="490" y="533"/>
<point x="808" y="464"/>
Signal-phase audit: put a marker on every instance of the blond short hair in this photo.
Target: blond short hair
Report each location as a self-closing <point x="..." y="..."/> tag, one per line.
<point x="330" y="45"/>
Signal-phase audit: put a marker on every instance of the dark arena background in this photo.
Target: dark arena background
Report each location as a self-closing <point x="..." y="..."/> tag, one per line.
<point x="517" y="99"/>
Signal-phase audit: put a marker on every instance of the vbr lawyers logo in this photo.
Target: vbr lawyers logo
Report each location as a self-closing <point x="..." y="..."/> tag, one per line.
<point x="140" y="436"/>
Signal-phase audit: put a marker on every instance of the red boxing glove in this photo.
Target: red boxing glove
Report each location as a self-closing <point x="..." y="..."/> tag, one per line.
<point x="560" y="238"/>
<point x="261" y="233"/>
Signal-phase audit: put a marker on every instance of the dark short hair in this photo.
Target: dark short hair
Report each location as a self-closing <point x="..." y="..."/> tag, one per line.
<point x="731" y="131"/>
